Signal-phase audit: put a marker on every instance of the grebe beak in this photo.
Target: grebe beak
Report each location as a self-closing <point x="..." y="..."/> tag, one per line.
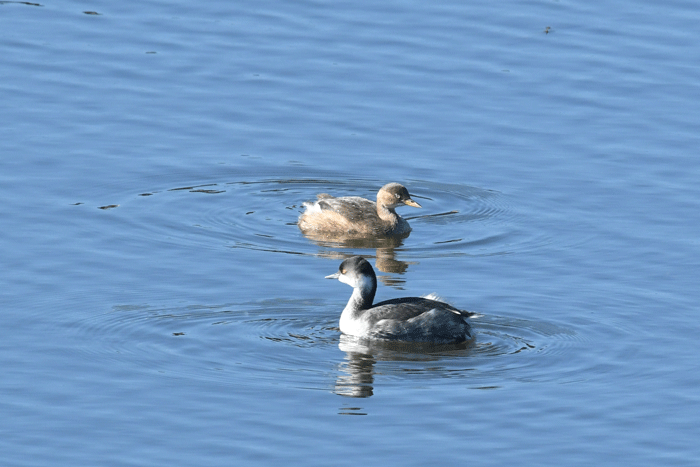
<point x="410" y="202"/>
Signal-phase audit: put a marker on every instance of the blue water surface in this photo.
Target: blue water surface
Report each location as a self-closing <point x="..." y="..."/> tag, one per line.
<point x="160" y="306"/>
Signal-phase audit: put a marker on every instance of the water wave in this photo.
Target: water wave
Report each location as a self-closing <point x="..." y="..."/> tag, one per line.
<point x="278" y="339"/>
<point x="261" y="214"/>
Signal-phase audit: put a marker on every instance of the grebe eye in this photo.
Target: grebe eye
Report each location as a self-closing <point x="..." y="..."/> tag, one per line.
<point x="397" y="195"/>
<point x="343" y="271"/>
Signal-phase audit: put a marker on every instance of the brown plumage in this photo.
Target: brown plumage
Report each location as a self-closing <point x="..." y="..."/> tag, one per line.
<point x="359" y="216"/>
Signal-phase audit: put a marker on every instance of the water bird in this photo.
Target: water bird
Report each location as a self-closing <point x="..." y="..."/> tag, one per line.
<point x="358" y="216"/>
<point x="414" y="319"/>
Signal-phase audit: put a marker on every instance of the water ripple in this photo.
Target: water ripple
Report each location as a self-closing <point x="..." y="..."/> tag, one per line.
<point x="274" y="339"/>
<point x="261" y="214"/>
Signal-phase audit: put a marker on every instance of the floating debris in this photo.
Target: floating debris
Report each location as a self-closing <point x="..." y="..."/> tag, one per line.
<point x="208" y="191"/>
<point x="23" y="3"/>
<point x="191" y="188"/>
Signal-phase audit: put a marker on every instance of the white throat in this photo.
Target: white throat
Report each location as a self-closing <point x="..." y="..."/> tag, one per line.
<point x="351" y="319"/>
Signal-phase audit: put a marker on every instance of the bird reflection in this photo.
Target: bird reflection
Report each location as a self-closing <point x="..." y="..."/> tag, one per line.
<point x="355" y="376"/>
<point x="385" y="249"/>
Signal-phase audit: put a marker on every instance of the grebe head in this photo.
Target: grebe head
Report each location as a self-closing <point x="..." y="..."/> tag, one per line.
<point x="392" y="195"/>
<point x="358" y="274"/>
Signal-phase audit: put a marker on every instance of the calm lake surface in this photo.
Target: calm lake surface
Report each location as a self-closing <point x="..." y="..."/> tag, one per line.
<point x="160" y="307"/>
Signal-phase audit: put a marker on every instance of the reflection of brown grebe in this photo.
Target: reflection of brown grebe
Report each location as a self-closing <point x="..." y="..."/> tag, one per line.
<point x="358" y="216"/>
<point x="406" y="319"/>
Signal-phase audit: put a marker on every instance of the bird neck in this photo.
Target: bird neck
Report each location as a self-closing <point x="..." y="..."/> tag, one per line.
<point x="387" y="214"/>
